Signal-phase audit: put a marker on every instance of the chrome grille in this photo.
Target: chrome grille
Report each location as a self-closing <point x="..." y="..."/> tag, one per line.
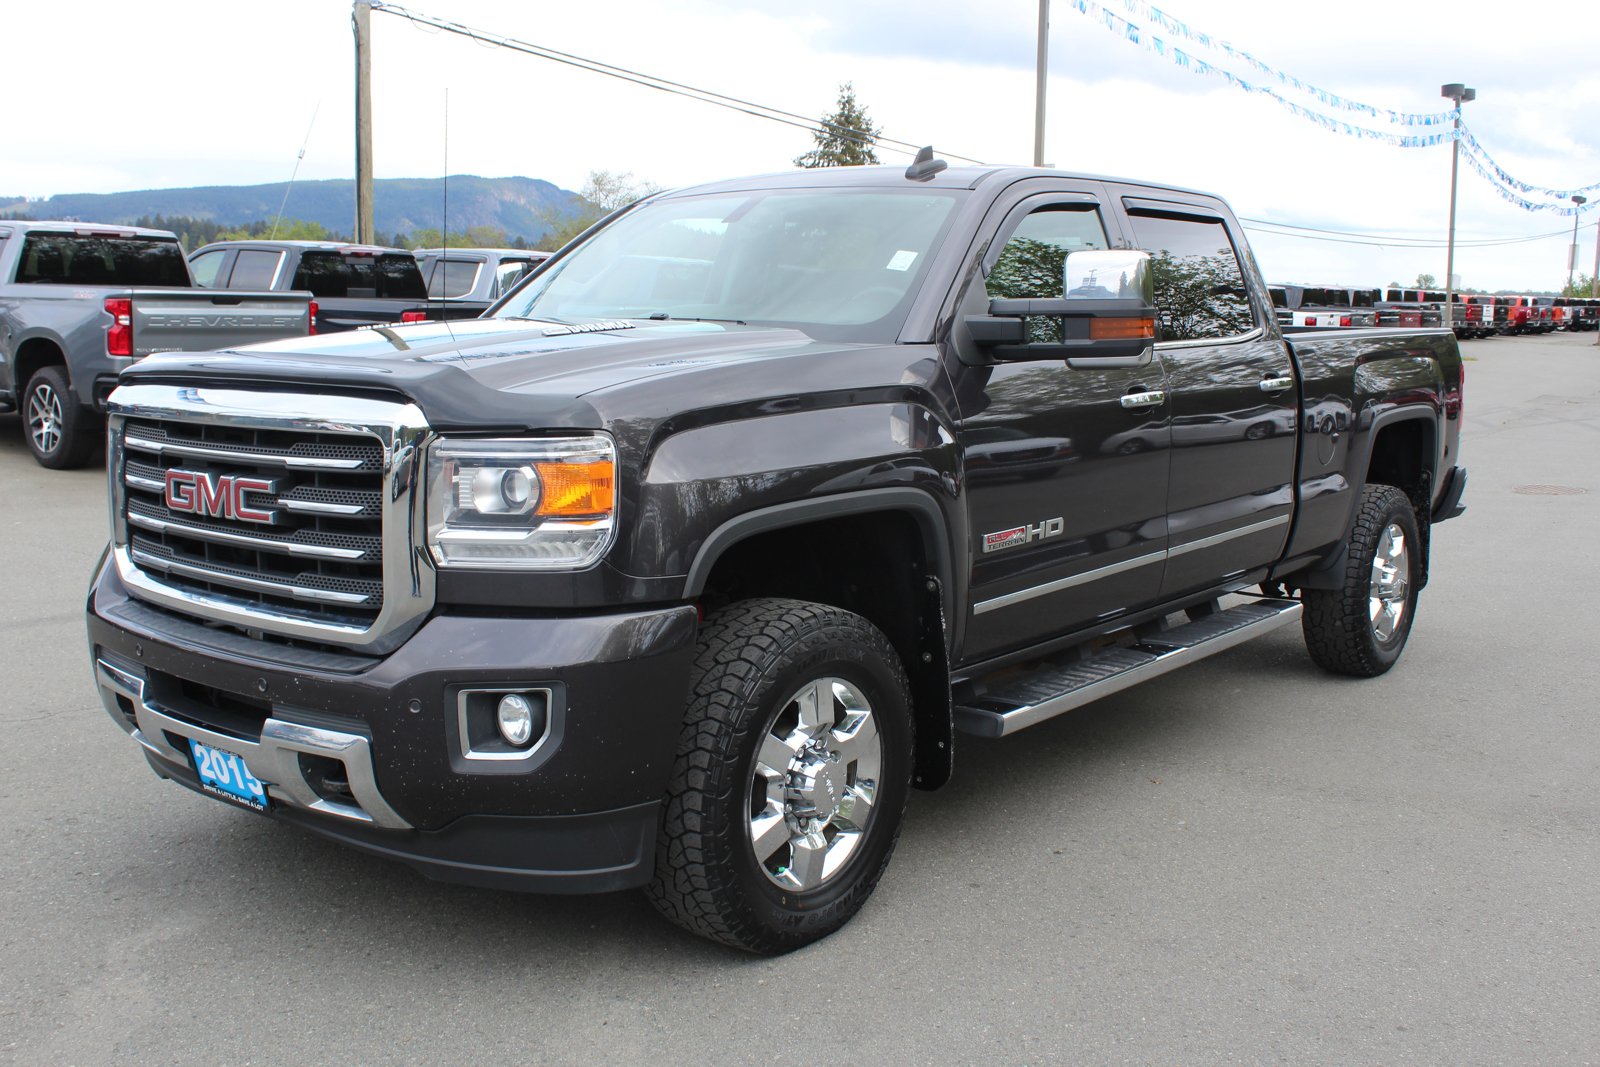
<point x="335" y="563"/>
<point x="316" y="564"/>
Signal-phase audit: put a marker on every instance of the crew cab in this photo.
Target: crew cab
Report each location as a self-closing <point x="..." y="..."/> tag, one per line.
<point x="81" y="301"/>
<point x="684" y="565"/>
<point x="475" y="274"/>
<point x="354" y="285"/>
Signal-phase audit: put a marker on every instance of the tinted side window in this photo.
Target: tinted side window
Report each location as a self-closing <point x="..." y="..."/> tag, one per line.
<point x="254" y="269"/>
<point x="1200" y="289"/>
<point x="205" y="267"/>
<point x="1033" y="262"/>
<point x="453" y="277"/>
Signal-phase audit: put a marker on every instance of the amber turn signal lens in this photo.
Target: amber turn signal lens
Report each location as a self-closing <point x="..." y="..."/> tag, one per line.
<point x="576" y="490"/>
<point x="1122" y="329"/>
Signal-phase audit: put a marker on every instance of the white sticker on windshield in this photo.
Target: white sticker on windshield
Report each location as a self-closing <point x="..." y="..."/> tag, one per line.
<point x="901" y="260"/>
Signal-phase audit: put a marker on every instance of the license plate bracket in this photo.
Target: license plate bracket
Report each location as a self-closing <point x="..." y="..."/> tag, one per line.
<point x="224" y="775"/>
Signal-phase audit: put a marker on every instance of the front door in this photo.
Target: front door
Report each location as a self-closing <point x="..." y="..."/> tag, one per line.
<point x="1066" y="469"/>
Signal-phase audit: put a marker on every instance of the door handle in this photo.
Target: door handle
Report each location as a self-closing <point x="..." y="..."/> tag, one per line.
<point x="1144" y="400"/>
<point x="1276" y="385"/>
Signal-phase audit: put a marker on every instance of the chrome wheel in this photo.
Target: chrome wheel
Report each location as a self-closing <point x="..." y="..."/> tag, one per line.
<point x="44" y="417"/>
<point x="1389" y="589"/>
<point x="815" y="784"/>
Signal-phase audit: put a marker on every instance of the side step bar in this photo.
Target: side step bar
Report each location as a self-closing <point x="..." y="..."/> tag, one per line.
<point x="1019" y="702"/>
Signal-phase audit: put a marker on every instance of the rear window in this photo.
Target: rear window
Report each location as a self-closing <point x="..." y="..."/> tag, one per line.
<point x="1325" y="298"/>
<point x="74" y="259"/>
<point x="335" y="274"/>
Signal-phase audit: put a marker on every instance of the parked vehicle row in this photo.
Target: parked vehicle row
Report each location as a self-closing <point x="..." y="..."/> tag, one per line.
<point x="81" y="302"/>
<point x="1302" y="307"/>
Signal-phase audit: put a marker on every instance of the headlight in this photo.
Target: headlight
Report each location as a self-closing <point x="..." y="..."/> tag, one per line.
<point x="523" y="503"/>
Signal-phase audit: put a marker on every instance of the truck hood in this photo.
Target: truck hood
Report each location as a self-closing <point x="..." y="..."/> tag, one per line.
<point x="483" y="373"/>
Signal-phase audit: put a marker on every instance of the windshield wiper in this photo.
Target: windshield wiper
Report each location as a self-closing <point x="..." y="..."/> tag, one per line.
<point x="662" y="316"/>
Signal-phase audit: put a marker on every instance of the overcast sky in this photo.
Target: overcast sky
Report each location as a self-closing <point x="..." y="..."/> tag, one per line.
<point x="113" y="96"/>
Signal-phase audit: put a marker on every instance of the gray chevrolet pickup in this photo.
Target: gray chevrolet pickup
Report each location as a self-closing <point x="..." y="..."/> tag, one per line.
<point x="79" y="302"/>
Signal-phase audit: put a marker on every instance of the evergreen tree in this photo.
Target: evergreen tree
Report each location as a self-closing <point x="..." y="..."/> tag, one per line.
<point x="845" y="138"/>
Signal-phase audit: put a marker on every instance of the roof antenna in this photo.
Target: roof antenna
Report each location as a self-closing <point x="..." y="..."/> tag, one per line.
<point x="924" y="166"/>
<point x="296" y="172"/>
<point x="444" y="227"/>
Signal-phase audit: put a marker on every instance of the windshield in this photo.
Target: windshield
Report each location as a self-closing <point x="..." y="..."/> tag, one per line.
<point x="838" y="264"/>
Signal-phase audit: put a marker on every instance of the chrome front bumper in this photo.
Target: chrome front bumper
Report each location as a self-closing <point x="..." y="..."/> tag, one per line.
<point x="274" y="758"/>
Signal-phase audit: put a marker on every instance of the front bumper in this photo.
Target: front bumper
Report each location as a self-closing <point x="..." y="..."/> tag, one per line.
<point x="367" y="750"/>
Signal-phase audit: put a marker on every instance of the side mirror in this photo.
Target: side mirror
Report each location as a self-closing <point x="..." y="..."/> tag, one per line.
<point x="1106" y="317"/>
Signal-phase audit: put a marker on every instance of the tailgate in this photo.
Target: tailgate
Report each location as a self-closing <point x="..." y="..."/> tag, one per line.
<point x="201" y="320"/>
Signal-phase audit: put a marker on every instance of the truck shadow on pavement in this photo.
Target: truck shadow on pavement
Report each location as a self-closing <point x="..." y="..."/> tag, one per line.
<point x="370" y="905"/>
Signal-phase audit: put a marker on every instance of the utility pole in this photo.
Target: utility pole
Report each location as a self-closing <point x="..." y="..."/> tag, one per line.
<point x="361" y="23"/>
<point x="1041" y="73"/>
<point x="1460" y="94"/>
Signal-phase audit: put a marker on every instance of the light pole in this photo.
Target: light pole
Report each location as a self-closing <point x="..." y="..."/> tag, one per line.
<point x="1572" y="259"/>
<point x="1460" y="94"/>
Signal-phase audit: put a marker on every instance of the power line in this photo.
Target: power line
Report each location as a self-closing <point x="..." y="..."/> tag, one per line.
<point x="651" y="81"/>
<point x="1382" y="240"/>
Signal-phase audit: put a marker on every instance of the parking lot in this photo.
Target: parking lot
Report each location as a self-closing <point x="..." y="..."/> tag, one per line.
<point x="1245" y="861"/>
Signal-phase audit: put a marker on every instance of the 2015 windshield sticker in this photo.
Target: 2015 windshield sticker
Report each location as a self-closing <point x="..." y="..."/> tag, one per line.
<point x="588" y="327"/>
<point x="901" y="260"/>
<point x="1022" y="535"/>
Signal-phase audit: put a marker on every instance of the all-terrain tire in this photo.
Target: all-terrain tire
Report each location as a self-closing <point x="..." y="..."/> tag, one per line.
<point x="754" y="661"/>
<point x="1360" y="629"/>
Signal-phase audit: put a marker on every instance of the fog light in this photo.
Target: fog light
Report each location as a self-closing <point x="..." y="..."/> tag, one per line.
<point x="516" y="719"/>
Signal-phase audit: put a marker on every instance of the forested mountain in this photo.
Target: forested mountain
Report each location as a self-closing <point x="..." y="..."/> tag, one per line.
<point x="520" y="207"/>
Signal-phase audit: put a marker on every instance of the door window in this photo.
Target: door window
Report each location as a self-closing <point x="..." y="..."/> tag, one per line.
<point x="1200" y="289"/>
<point x="205" y="267"/>
<point x="254" y="269"/>
<point x="1033" y="262"/>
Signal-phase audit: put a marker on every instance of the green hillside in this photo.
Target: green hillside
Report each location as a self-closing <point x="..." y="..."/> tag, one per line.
<point x="518" y="206"/>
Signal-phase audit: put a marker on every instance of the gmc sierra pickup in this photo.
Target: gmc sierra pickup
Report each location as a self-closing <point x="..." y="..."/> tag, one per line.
<point x="78" y="302"/>
<point x="687" y="562"/>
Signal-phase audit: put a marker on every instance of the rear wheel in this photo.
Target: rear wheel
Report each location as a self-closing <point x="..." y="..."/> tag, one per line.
<point x="1361" y="628"/>
<point x="791" y="776"/>
<point x="60" y="431"/>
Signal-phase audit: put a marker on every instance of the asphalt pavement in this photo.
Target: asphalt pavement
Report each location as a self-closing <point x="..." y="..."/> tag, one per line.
<point x="1245" y="861"/>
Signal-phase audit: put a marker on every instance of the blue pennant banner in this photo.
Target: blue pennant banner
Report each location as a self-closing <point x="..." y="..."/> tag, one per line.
<point x="1477" y="157"/>
<point x="1470" y="143"/>
<point x="1137" y="36"/>
<point x="1178" y="28"/>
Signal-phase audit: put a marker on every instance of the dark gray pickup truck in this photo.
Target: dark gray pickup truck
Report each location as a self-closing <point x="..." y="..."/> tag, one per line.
<point x="354" y="285"/>
<point x="686" y="563"/>
<point x="79" y="302"/>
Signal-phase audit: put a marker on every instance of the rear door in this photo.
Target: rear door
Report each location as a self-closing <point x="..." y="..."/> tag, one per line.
<point x="1066" y="469"/>
<point x="1233" y="394"/>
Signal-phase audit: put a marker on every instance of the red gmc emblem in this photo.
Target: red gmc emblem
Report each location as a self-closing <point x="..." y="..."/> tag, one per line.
<point x="217" y="496"/>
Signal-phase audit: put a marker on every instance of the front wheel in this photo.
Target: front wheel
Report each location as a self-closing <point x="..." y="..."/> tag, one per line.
<point x="790" y="779"/>
<point x="1361" y="628"/>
